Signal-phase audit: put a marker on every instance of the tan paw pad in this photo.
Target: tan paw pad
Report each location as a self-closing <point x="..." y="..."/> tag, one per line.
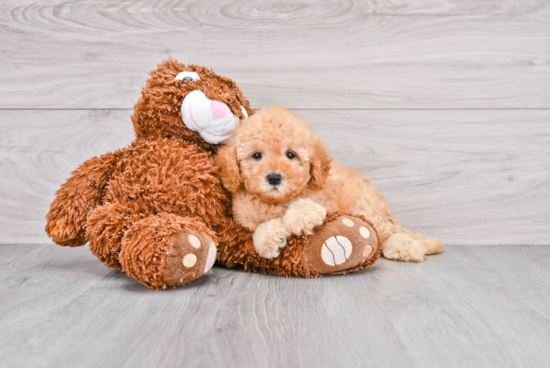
<point x="336" y="250"/>
<point x="346" y="221"/>
<point x="192" y="254"/>
<point x="341" y="244"/>
<point x="194" y="241"/>
<point x="365" y="233"/>
<point x="189" y="260"/>
<point x="211" y="257"/>
<point x="367" y="251"/>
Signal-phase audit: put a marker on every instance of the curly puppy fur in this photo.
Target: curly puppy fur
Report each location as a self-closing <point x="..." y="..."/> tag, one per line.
<point x="276" y="142"/>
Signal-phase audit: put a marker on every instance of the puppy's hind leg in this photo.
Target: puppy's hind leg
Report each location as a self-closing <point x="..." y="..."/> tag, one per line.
<point x="433" y="246"/>
<point x="404" y="245"/>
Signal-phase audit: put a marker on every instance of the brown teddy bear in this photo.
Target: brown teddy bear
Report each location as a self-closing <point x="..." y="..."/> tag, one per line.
<point x="157" y="209"/>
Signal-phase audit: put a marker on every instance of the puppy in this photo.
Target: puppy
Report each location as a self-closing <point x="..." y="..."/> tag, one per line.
<point x="283" y="182"/>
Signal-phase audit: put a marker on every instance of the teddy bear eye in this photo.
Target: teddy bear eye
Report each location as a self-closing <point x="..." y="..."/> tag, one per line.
<point x="257" y="155"/>
<point x="187" y="76"/>
<point x="290" y="155"/>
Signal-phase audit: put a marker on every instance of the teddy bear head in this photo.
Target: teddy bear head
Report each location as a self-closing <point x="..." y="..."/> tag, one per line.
<point x="189" y="102"/>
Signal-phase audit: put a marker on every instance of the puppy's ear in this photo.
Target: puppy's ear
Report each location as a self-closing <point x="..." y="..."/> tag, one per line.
<point x="226" y="159"/>
<point x="319" y="164"/>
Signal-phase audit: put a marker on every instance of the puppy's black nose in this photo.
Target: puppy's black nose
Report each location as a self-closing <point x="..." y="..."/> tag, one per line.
<point x="274" y="179"/>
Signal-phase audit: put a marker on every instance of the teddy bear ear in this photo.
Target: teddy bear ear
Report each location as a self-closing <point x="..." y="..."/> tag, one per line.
<point x="227" y="161"/>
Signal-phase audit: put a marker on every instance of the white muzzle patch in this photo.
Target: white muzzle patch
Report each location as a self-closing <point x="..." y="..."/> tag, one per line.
<point x="213" y="120"/>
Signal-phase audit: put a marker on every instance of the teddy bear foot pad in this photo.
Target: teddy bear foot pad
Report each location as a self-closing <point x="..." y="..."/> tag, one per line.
<point x="342" y="244"/>
<point x="191" y="256"/>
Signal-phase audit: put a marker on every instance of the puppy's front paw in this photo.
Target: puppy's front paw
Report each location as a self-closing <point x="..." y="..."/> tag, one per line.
<point x="303" y="216"/>
<point x="269" y="238"/>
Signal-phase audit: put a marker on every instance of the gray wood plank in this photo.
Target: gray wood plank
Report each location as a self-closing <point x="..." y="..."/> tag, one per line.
<point x="329" y="54"/>
<point x="481" y="306"/>
<point x="467" y="177"/>
<point x="38" y="151"/>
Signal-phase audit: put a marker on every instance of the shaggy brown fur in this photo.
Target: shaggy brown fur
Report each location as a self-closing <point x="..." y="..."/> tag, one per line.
<point x="137" y="204"/>
<point x="276" y="142"/>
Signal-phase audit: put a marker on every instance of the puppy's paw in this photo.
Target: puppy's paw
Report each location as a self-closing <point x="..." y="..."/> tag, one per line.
<point x="303" y="216"/>
<point x="433" y="246"/>
<point x="402" y="247"/>
<point x="269" y="237"/>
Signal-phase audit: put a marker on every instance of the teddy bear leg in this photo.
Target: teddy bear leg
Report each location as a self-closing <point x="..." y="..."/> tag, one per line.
<point x="82" y="192"/>
<point x="105" y="228"/>
<point x="167" y="250"/>
<point x="343" y="244"/>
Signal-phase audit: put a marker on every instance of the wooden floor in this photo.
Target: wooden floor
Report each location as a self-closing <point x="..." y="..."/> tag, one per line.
<point x="472" y="306"/>
<point x="443" y="104"/>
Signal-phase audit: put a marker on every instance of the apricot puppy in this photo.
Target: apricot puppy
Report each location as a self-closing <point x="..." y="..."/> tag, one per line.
<point x="284" y="181"/>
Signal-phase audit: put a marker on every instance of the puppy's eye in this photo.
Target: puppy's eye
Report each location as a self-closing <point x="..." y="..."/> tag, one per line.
<point x="257" y="155"/>
<point x="290" y="155"/>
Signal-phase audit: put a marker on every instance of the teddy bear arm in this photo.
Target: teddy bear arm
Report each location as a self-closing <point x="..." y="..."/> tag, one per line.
<point x="77" y="197"/>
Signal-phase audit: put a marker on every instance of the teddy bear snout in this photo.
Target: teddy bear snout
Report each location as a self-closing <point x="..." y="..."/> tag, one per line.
<point x="212" y="119"/>
<point x="219" y="110"/>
